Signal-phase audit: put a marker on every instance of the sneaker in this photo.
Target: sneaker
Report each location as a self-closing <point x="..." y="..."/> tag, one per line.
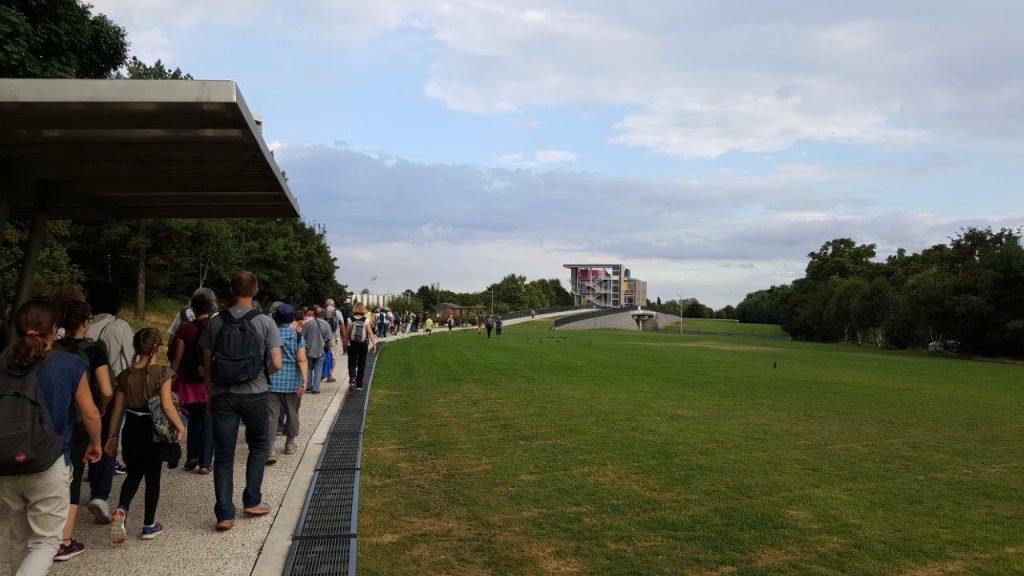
<point x="359" y="385"/>
<point x="99" y="509"/>
<point x="204" y="470"/>
<point x="68" y="551"/>
<point x="271" y="458"/>
<point x="151" y="532"/>
<point x="291" y="448"/>
<point x="118" y="533"/>
<point x="225" y="525"/>
<point x="120" y="468"/>
<point x="190" y="465"/>
<point x="258" y="510"/>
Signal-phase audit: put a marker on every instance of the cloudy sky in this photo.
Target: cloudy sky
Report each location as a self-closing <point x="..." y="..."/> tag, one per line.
<point x="708" y="145"/>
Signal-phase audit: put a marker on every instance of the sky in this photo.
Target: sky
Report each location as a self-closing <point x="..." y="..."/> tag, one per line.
<point x="707" y="145"/>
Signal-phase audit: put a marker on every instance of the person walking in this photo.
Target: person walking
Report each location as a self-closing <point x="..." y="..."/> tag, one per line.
<point x="116" y="335"/>
<point x="143" y="457"/>
<point x="190" y="386"/>
<point x="38" y="388"/>
<point x="75" y="318"/>
<point x="498" y="324"/>
<point x="236" y="347"/>
<point x="428" y="325"/>
<point x="317" y="335"/>
<point x="489" y="324"/>
<point x="360" y="340"/>
<point x="185" y="316"/>
<point x="288" y="384"/>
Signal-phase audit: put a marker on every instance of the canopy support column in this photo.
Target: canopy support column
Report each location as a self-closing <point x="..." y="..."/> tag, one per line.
<point x="36" y="235"/>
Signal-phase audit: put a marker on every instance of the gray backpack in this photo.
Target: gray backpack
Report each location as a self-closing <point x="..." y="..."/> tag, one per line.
<point x="28" y="442"/>
<point x="357" y="329"/>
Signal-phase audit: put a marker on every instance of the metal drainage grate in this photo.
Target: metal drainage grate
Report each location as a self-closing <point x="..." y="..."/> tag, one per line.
<point x="341" y="452"/>
<point x="322" y="557"/>
<point x="348" y="423"/>
<point x="331" y="506"/>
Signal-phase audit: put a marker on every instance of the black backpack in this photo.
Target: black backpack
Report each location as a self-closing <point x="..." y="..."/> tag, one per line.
<point x="332" y="320"/>
<point x="28" y="442"/>
<point x="238" y="352"/>
<point x="192" y="361"/>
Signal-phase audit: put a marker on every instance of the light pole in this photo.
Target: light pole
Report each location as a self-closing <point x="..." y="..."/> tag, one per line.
<point x="680" y="314"/>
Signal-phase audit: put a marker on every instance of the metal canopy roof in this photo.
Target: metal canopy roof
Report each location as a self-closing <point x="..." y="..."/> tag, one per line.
<point x="98" y="149"/>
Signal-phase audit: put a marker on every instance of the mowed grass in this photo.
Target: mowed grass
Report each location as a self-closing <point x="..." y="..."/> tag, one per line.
<point x="620" y="453"/>
<point x="726" y="327"/>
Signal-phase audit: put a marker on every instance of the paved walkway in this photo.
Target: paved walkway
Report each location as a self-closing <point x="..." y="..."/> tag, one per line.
<point x="189" y="545"/>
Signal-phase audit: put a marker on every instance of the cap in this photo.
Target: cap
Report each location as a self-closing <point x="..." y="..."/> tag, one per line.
<point x="284" y="314"/>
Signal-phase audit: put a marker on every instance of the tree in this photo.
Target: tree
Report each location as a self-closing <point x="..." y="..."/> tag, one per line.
<point x="136" y="69"/>
<point x="58" y="39"/>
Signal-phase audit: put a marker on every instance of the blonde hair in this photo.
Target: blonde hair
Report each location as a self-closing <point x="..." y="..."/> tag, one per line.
<point x="359" y="308"/>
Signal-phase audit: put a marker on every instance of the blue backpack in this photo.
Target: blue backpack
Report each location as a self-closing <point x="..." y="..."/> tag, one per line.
<point x="28" y="442"/>
<point x="238" y="352"/>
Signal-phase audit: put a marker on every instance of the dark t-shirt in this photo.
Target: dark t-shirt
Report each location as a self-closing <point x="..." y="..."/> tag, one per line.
<point x="58" y="381"/>
<point x="96" y="353"/>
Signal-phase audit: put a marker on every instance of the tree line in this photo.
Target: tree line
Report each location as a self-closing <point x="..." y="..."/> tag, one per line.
<point x="966" y="293"/>
<point x="511" y="294"/>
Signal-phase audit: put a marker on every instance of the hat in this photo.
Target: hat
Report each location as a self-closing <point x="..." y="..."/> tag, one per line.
<point x="284" y="314"/>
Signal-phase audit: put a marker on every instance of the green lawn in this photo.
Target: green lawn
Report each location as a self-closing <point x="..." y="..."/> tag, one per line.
<point x="619" y="453"/>
<point x="726" y="327"/>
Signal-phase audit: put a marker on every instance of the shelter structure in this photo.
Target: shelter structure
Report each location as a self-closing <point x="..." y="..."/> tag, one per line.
<point x="109" y="149"/>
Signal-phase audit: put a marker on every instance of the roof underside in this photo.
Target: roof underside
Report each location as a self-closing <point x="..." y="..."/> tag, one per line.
<point x="98" y="149"/>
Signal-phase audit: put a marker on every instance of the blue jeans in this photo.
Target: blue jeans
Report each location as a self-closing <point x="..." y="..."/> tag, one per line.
<point x="316" y="370"/>
<point x="228" y="410"/>
<point x="200" y="435"/>
<point x="101" y="474"/>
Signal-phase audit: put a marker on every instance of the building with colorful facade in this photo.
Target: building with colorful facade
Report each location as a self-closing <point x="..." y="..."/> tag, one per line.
<point x="605" y="285"/>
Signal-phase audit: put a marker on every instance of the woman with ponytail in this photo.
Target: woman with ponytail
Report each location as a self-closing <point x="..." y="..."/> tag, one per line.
<point x="143" y="380"/>
<point x="75" y="320"/>
<point x="35" y="488"/>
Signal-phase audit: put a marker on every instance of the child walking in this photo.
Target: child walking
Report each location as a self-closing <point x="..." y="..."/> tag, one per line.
<point x="144" y="458"/>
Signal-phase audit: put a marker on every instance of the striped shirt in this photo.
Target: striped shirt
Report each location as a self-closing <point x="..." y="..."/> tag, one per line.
<point x="288" y="380"/>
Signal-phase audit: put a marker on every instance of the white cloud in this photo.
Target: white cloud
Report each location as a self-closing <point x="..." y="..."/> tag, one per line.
<point x="698" y="79"/>
<point x="725" y="237"/>
<point x="539" y="159"/>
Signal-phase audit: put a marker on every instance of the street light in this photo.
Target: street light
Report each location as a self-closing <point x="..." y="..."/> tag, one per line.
<point x="680" y="314"/>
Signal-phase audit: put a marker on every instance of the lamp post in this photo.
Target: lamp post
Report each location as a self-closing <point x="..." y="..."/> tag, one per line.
<point x="680" y="314"/>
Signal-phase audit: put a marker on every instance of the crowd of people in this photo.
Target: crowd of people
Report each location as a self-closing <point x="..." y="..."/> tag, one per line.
<point x="79" y="388"/>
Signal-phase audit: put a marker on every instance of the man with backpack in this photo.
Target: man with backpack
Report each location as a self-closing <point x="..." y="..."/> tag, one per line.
<point x="242" y="347"/>
<point x="360" y="340"/>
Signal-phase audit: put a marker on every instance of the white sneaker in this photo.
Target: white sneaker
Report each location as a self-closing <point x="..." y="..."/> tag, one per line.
<point x="100" y="510"/>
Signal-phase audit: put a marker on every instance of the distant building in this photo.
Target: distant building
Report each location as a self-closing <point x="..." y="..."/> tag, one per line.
<point x="607" y="285"/>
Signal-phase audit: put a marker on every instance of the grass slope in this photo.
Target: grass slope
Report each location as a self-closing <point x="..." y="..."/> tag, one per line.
<point x="726" y="327"/>
<point x="620" y="453"/>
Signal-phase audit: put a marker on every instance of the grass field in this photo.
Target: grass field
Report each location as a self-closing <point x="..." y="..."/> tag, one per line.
<point x="726" y="327"/>
<point x="619" y="453"/>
